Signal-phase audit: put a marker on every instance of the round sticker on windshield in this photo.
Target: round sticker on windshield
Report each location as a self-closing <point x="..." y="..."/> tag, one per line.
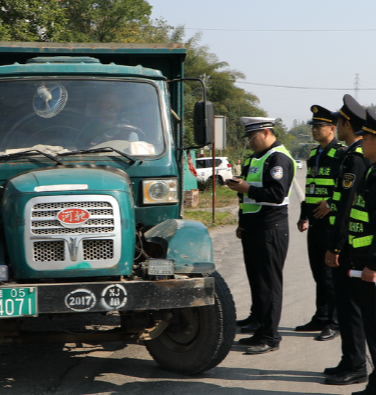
<point x="277" y="172"/>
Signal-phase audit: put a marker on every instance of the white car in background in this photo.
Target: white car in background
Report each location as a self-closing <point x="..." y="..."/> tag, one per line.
<point x="204" y="168"/>
<point x="299" y="164"/>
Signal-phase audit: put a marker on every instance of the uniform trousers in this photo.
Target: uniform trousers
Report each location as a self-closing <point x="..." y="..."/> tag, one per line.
<point x="317" y="240"/>
<point x="366" y="294"/>
<point x="264" y="256"/>
<point x="349" y="316"/>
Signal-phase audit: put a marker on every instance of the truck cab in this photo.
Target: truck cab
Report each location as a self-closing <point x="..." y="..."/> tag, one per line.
<point x="91" y="159"/>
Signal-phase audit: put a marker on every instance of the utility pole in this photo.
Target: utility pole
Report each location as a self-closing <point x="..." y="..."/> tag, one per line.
<point x="356" y="89"/>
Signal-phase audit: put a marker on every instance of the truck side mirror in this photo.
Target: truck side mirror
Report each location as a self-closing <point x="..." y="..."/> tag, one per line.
<point x="203" y="122"/>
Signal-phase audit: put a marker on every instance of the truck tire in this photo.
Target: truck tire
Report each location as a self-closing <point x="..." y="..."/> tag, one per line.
<point x="203" y="341"/>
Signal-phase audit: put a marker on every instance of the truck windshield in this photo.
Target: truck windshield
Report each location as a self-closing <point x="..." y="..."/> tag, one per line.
<point x="61" y="115"/>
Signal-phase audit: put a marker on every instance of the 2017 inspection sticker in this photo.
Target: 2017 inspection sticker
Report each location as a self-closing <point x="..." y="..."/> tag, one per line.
<point x="112" y="297"/>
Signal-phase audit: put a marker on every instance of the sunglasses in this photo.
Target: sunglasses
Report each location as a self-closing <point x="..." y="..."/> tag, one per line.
<point x="250" y="139"/>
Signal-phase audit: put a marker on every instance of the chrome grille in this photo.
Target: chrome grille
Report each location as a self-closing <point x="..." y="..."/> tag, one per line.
<point x="98" y="249"/>
<point x="62" y="205"/>
<point x="49" y="251"/>
<point x="55" y="246"/>
<point x="54" y="227"/>
<point x="71" y="231"/>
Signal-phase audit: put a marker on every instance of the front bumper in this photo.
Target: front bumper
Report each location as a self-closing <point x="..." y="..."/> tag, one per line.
<point x="119" y="295"/>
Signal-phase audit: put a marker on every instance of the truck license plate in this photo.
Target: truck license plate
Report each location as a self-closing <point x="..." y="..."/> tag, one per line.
<point x="18" y="302"/>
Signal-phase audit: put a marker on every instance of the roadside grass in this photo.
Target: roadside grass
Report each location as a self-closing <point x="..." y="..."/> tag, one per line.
<point x="224" y="197"/>
<point x="206" y="217"/>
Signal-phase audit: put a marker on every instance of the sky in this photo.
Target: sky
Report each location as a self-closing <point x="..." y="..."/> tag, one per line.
<point x="294" y="53"/>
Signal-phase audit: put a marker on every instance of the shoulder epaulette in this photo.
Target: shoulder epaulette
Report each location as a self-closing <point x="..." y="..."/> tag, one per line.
<point x="340" y="151"/>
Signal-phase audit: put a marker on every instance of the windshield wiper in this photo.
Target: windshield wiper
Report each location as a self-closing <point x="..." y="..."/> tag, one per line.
<point x="30" y="152"/>
<point x="103" y="149"/>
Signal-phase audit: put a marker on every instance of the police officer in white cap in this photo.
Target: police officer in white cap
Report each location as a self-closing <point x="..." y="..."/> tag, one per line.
<point x="264" y="188"/>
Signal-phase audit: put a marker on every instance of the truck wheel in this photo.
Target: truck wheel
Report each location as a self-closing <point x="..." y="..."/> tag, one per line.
<point x="202" y="339"/>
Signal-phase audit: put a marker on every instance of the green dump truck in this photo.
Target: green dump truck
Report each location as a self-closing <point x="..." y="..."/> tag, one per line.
<point x="92" y="232"/>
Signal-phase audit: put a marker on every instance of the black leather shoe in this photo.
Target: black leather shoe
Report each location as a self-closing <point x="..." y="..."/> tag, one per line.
<point x="311" y="326"/>
<point x="250" y="328"/>
<point x="261" y="349"/>
<point x="245" y="322"/>
<point x="328" y="334"/>
<point x="334" y="371"/>
<point x="345" y="378"/>
<point x="341" y="367"/>
<point x="369" y="390"/>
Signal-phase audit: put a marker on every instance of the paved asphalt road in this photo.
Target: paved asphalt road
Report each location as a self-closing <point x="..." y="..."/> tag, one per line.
<point x="114" y="369"/>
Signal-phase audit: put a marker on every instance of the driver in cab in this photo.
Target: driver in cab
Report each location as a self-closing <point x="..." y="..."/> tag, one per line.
<point x="108" y="125"/>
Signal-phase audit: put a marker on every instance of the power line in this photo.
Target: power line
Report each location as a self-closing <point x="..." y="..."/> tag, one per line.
<point x="285" y="30"/>
<point x="302" y="87"/>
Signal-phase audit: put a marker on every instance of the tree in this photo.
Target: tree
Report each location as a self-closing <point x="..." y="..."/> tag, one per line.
<point x="32" y="20"/>
<point x="301" y="143"/>
<point x="229" y="100"/>
<point x="117" y="21"/>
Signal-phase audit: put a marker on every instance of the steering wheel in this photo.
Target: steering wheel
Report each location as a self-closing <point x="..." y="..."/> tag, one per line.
<point x="119" y="131"/>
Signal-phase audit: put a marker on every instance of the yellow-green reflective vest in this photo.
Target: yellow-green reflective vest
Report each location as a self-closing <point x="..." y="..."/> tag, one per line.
<point x="360" y="232"/>
<point x="323" y="179"/>
<point x="255" y="178"/>
<point x="337" y="190"/>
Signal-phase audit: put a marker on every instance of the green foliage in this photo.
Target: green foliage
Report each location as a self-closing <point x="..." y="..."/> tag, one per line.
<point x="301" y="140"/>
<point x="229" y="100"/>
<point x="106" y="20"/>
<point x="32" y="20"/>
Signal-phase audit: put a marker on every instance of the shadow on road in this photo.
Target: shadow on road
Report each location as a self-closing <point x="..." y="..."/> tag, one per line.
<point x="54" y="370"/>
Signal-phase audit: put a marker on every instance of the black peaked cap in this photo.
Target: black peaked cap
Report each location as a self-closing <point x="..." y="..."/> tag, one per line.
<point x="322" y="115"/>
<point x="370" y="124"/>
<point x="351" y="110"/>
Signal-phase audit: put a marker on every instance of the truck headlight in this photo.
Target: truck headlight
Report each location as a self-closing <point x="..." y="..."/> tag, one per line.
<point x="4" y="273"/>
<point x="160" y="191"/>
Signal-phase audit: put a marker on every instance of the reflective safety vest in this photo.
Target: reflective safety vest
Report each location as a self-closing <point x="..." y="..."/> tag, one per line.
<point x="338" y="185"/>
<point x="320" y="181"/>
<point x="360" y="230"/>
<point x="255" y="178"/>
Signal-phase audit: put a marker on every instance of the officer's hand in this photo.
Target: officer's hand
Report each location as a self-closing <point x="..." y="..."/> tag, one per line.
<point x="368" y="275"/>
<point x="240" y="186"/>
<point x="302" y="225"/>
<point x="238" y="232"/>
<point x="321" y="210"/>
<point x="331" y="259"/>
